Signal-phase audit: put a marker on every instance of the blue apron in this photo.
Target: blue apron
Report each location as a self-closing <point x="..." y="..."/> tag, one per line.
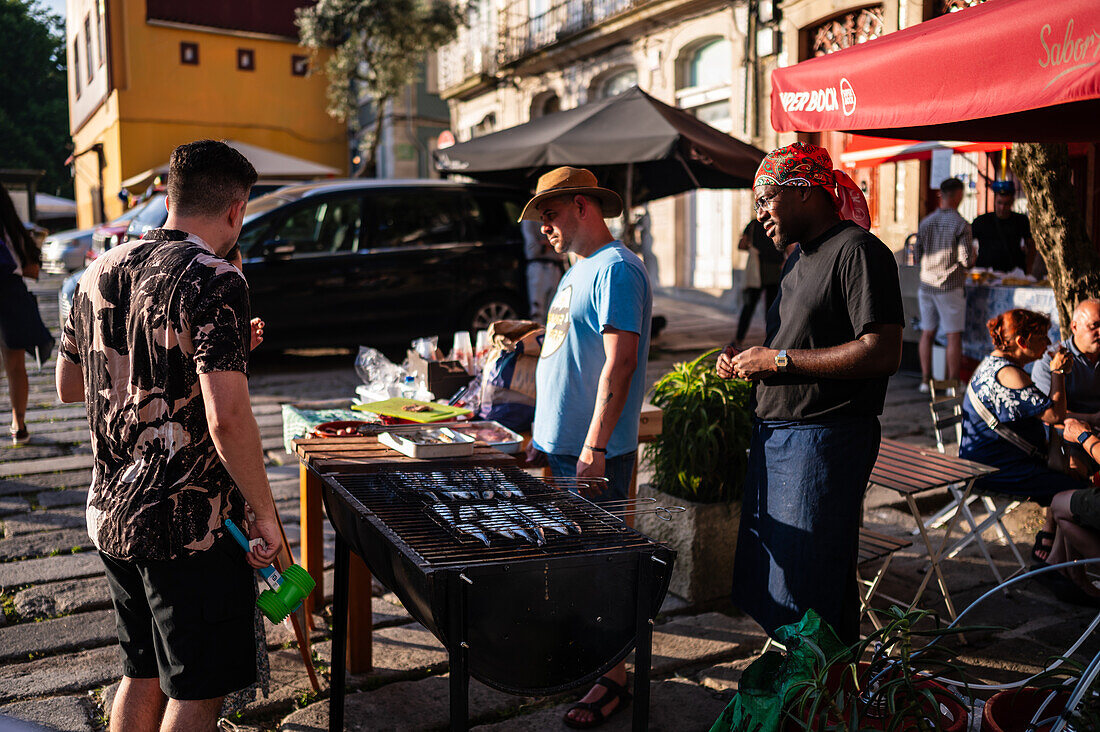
<point x="799" y="538"/>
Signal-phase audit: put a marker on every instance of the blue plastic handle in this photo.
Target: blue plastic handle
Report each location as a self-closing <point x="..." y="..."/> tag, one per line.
<point x="268" y="572"/>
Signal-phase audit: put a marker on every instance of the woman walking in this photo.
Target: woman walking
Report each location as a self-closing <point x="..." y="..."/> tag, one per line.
<point x="19" y="317"/>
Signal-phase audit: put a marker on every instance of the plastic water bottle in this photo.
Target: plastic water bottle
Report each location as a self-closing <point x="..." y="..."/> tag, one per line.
<point x="408" y="388"/>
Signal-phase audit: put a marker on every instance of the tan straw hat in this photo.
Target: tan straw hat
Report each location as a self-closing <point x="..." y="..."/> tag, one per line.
<point x="572" y="181"/>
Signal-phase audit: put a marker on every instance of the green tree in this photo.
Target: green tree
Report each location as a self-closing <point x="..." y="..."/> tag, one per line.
<point x="34" y="117"/>
<point x="377" y="48"/>
<point x="1057" y="224"/>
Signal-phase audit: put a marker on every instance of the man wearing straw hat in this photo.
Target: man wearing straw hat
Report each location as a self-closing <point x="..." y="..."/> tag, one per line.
<point x="591" y="374"/>
<point x="833" y="339"/>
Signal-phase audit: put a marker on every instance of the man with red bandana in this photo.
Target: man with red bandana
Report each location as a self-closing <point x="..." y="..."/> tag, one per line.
<point x="833" y="340"/>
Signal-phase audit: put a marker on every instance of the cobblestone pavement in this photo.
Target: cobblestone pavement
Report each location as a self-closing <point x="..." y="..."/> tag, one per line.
<point x="59" y="667"/>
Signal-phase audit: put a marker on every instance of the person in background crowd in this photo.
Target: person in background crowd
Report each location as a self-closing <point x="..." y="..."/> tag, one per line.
<point x="176" y="447"/>
<point x="544" y="269"/>
<point x="19" y="258"/>
<point x="833" y="340"/>
<point x="590" y="377"/>
<point x="1002" y="388"/>
<point x="943" y="253"/>
<point x="1082" y="387"/>
<point x="1004" y="236"/>
<point x="761" y="274"/>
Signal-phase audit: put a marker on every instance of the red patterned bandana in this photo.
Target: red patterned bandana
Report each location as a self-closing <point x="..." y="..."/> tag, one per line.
<point x="802" y="164"/>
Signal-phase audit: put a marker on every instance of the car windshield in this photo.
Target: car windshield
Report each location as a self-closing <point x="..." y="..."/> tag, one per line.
<point x="126" y="216"/>
<point x="262" y="204"/>
<point x="151" y="215"/>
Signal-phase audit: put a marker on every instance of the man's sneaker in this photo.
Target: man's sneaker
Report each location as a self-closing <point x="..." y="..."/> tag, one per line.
<point x="923" y="388"/>
<point x="20" y="437"/>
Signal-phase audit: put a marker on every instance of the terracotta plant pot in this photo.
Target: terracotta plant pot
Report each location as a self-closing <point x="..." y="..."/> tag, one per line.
<point x="1012" y="710"/>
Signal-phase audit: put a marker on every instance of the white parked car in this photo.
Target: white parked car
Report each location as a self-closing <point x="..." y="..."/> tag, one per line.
<point x="64" y="251"/>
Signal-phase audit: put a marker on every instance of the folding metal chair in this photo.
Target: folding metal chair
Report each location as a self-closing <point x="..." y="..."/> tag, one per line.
<point x="946" y="409"/>
<point x="874" y="546"/>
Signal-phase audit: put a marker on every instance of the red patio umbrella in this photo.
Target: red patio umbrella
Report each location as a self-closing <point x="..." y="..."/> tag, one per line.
<point x="1018" y="70"/>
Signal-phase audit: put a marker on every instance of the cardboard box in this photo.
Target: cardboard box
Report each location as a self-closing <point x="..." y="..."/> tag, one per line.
<point x="443" y="378"/>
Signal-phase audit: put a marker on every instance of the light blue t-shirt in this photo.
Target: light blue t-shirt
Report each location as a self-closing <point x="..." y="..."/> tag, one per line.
<point x="609" y="288"/>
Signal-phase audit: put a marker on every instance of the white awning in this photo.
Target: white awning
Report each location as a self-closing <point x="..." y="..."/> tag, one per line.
<point x="268" y="164"/>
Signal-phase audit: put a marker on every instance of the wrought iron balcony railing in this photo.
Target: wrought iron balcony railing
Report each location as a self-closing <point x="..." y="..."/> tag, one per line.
<point x="525" y="33"/>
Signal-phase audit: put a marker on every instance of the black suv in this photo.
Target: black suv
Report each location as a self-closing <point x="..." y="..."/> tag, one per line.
<point x="350" y="262"/>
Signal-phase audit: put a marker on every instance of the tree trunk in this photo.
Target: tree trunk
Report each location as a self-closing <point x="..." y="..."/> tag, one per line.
<point x="1057" y="224"/>
<point x="370" y="165"/>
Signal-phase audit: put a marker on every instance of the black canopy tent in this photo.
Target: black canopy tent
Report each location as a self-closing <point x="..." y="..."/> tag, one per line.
<point x="634" y="144"/>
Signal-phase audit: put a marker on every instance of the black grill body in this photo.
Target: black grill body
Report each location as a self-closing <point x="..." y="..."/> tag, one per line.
<point x="522" y="618"/>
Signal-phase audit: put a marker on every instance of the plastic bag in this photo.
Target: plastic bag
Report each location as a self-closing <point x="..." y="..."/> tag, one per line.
<point x="376" y="371"/>
<point x="426" y="348"/>
<point x="771" y="680"/>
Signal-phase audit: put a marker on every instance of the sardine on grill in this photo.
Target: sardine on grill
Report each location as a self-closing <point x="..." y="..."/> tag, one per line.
<point x="474" y="531"/>
<point x="541" y="518"/>
<point x="558" y="515"/>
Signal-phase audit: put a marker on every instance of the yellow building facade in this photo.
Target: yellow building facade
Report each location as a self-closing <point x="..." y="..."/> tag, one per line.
<point x="145" y="78"/>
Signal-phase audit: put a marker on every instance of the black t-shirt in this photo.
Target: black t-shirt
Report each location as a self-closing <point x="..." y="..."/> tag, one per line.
<point x="833" y="289"/>
<point x="999" y="241"/>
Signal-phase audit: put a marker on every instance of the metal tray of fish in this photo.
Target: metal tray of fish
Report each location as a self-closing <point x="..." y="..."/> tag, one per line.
<point x="428" y="442"/>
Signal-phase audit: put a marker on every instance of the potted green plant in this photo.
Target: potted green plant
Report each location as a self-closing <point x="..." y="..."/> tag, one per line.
<point x="883" y="682"/>
<point x="699" y="462"/>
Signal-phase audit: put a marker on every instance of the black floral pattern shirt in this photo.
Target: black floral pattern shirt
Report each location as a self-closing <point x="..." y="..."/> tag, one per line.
<point x="147" y="318"/>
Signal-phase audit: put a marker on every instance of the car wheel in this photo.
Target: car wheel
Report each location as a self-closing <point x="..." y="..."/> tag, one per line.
<point x="489" y="310"/>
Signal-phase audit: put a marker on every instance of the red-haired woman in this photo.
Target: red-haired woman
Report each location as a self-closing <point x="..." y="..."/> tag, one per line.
<point x="1007" y="393"/>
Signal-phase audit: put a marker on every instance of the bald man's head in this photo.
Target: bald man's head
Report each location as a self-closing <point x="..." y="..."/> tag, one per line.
<point x="1085" y="327"/>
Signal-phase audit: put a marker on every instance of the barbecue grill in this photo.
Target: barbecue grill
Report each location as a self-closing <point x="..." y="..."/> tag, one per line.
<point x="529" y="616"/>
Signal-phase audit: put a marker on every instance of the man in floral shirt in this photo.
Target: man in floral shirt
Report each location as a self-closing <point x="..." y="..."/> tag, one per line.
<point x="156" y="345"/>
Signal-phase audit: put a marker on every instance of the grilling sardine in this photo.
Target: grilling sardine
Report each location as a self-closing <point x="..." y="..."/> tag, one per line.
<point x="541" y="518"/>
<point x="556" y="514"/>
<point x="474" y="531"/>
<point x="528" y="529"/>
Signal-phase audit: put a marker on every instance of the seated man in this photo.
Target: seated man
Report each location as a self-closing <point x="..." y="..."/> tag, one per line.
<point x="1082" y="380"/>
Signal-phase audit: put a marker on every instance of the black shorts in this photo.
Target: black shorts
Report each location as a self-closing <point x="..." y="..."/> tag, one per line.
<point x="188" y="621"/>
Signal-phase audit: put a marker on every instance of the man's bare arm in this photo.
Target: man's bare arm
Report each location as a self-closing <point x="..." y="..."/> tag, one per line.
<point x="69" y="379"/>
<point x="875" y="353"/>
<point x="236" y="438"/>
<point x="621" y="359"/>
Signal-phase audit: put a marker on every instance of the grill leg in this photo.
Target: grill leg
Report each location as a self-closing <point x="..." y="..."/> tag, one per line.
<point x="339" y="635"/>
<point x="457" y="652"/>
<point x="643" y="644"/>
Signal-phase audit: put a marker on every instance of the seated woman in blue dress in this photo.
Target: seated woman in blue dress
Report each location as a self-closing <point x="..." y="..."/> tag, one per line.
<point x="1007" y="392"/>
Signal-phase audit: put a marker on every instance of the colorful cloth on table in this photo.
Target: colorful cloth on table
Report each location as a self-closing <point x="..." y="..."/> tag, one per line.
<point x="798" y="542"/>
<point x="803" y="164"/>
<point x="147" y="318"/>
<point x="610" y="288"/>
<point x="299" y="422"/>
<point x="1018" y="410"/>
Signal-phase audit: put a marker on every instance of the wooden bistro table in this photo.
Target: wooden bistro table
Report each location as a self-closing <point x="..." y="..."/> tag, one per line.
<point x="910" y="471"/>
<point x="319" y="456"/>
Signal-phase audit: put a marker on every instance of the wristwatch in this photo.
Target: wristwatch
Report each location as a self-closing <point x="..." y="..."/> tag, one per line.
<point x="781" y="360"/>
<point x="1081" y="438"/>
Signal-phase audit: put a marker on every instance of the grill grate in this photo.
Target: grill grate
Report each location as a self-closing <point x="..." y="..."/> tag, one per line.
<point x="402" y="500"/>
